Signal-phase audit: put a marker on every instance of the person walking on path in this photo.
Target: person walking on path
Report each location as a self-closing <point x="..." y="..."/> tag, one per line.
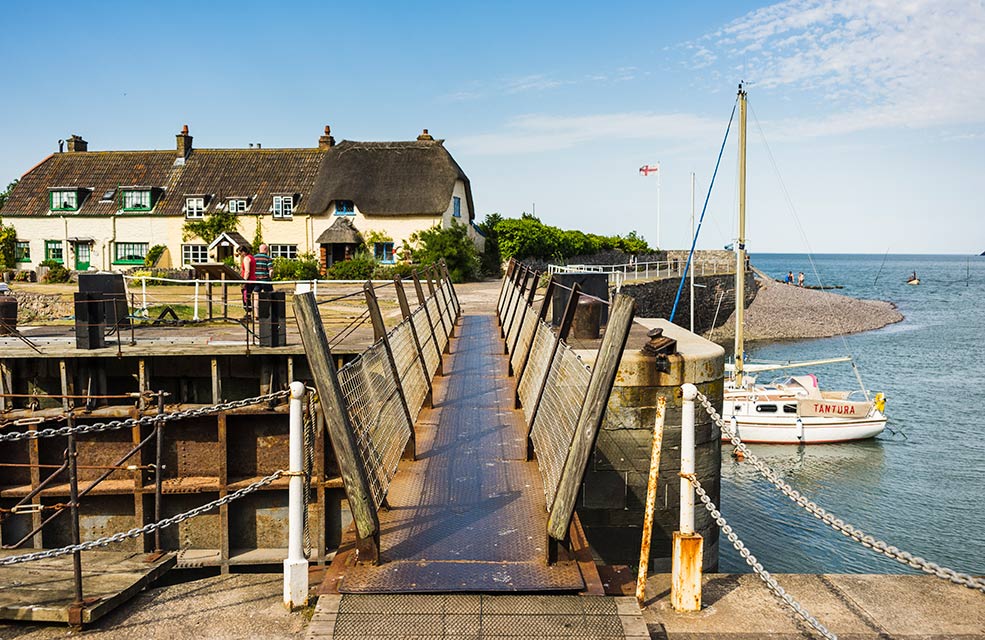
<point x="264" y="268"/>
<point x="248" y="272"/>
<point x="800" y="279"/>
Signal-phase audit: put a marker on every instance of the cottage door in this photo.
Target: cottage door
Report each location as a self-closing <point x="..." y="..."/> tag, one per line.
<point x="83" y="253"/>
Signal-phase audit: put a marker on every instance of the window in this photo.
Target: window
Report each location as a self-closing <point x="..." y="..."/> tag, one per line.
<point x="283" y="206"/>
<point x="194" y="253"/>
<point x="130" y="252"/>
<point x="22" y="251"/>
<point x="65" y="200"/>
<point x="766" y="408"/>
<point x="789" y="408"/>
<point x="383" y="252"/>
<point x="344" y="208"/>
<point x="456" y="207"/>
<point x="195" y="207"/>
<point x="237" y="205"/>
<point x="136" y="200"/>
<point x="108" y="196"/>
<point x="53" y="250"/>
<point x="284" y="251"/>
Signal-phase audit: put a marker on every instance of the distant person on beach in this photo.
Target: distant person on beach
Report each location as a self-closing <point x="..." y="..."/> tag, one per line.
<point x="800" y="279"/>
<point x="789" y="279"/>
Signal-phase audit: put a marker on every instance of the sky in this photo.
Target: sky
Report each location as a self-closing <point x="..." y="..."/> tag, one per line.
<point x="866" y="128"/>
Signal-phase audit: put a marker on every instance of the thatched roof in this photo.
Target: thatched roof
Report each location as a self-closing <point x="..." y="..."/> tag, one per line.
<point x="389" y="178"/>
<point x="342" y="231"/>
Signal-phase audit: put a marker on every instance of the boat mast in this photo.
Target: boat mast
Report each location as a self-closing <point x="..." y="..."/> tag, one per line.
<point x="740" y="254"/>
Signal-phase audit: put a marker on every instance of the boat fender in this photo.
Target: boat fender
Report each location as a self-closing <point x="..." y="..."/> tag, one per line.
<point x="800" y="429"/>
<point x="880" y="402"/>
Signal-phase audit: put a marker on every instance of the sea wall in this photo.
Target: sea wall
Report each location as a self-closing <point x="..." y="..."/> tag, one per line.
<point x="714" y="298"/>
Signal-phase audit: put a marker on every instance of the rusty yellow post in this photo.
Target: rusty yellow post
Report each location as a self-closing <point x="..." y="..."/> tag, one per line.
<point x="651" y="497"/>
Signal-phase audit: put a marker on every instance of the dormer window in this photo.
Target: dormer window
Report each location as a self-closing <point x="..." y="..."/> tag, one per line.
<point x="283" y="207"/>
<point x="344" y="208"/>
<point x="195" y="207"/>
<point x="137" y="199"/>
<point x="64" y="199"/>
<point x="238" y="205"/>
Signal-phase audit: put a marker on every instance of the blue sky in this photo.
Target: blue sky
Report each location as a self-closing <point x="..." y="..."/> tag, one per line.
<point x="873" y="111"/>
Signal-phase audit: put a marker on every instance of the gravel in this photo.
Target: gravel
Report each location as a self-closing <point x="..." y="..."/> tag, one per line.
<point x="782" y="311"/>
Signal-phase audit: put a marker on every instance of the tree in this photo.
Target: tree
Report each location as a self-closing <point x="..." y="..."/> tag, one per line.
<point x="8" y="244"/>
<point x="210" y="227"/>
<point x="453" y="245"/>
<point x="491" y="260"/>
<point x="6" y="193"/>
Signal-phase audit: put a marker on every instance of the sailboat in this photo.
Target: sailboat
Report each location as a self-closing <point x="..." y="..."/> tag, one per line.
<point x="794" y="409"/>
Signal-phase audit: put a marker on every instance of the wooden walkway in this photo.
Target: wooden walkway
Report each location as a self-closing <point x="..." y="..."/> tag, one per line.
<point x="469" y="514"/>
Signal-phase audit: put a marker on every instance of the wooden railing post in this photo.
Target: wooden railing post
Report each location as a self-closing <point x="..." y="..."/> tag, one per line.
<point x="527" y="307"/>
<point x="443" y="298"/>
<point x="591" y="414"/>
<point x="541" y="314"/>
<point x="510" y="294"/>
<point x="423" y="301"/>
<point x="379" y="329"/>
<point x="357" y="490"/>
<point x="406" y="314"/>
<point x="517" y="302"/>
<point x="562" y="334"/>
<point x="502" y="289"/>
<point x="451" y="289"/>
<point x="441" y="316"/>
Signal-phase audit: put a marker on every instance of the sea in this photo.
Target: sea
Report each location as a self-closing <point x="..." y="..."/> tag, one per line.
<point x="920" y="489"/>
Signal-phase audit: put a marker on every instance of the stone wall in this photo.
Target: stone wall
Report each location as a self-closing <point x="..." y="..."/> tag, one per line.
<point x="34" y="307"/>
<point x="714" y="299"/>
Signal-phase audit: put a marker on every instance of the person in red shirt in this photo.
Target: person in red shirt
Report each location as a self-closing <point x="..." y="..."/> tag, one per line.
<point x="248" y="271"/>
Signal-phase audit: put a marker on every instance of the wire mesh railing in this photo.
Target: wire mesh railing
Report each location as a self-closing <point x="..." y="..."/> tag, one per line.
<point x="409" y="366"/>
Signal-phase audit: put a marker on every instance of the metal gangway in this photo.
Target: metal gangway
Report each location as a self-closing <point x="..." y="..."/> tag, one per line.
<point x="619" y="274"/>
<point x="436" y="426"/>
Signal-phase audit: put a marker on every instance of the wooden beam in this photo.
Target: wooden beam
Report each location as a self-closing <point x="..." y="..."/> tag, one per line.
<point x="562" y="333"/>
<point x="422" y="300"/>
<point x="591" y="414"/>
<point x="357" y="491"/>
<point x="406" y="314"/>
<point x="502" y="290"/>
<point x="451" y="289"/>
<point x="517" y="303"/>
<point x="541" y="314"/>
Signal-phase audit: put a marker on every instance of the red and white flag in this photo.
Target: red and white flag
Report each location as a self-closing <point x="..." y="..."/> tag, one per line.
<point x="646" y="169"/>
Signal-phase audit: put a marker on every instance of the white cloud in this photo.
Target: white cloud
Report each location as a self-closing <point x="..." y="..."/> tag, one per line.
<point x="919" y="63"/>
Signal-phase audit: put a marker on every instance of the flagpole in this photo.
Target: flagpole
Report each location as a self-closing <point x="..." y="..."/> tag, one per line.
<point x="692" y="240"/>
<point x="658" y="204"/>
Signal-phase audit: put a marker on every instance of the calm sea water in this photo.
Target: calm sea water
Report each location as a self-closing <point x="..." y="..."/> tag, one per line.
<point x="922" y="493"/>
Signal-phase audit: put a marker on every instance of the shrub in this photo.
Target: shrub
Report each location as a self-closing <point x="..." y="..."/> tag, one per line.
<point x="391" y="271"/>
<point x="360" y="267"/>
<point x="304" y="268"/>
<point x="453" y="245"/>
<point x="154" y="254"/>
<point x="56" y="272"/>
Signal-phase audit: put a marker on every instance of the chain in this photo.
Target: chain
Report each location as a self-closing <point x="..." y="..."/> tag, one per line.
<point x="144" y="420"/>
<point x="839" y="525"/>
<point x="308" y="431"/>
<point x="133" y="533"/>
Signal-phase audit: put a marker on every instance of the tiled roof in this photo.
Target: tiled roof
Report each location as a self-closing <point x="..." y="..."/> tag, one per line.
<point x="255" y="174"/>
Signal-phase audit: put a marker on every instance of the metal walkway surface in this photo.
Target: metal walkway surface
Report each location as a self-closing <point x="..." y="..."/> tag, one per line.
<point x="475" y="617"/>
<point x="469" y="513"/>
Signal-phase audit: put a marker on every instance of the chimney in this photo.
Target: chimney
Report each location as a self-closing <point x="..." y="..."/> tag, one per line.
<point x="77" y="144"/>
<point x="326" y="141"/>
<point x="184" y="142"/>
<point x="425" y="137"/>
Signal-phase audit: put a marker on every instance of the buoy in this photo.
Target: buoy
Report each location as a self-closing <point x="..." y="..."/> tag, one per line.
<point x="738" y="455"/>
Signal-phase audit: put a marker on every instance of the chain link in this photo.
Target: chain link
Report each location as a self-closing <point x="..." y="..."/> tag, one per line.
<point x="144" y="420"/>
<point x="133" y="533"/>
<point x="839" y="525"/>
<point x="757" y="567"/>
<point x="309" y="420"/>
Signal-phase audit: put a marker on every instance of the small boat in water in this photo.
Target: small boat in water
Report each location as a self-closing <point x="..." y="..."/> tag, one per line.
<point x="793" y="410"/>
<point x="913" y="279"/>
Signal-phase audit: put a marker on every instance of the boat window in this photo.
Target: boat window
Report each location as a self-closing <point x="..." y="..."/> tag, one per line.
<point x="789" y="408"/>
<point x="766" y="408"/>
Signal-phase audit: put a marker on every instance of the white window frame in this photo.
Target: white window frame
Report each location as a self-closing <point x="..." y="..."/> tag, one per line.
<point x="289" y="251"/>
<point x="237" y="205"/>
<point x="194" y="253"/>
<point x="283" y="207"/>
<point x="195" y="207"/>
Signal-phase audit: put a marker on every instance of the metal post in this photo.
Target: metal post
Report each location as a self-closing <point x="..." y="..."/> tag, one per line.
<point x="296" y="566"/>
<point x="656" y="445"/>
<point x="143" y="293"/>
<point x="73" y="488"/>
<point x="195" y="317"/>
<point x="158" y="475"/>
<point x="688" y="546"/>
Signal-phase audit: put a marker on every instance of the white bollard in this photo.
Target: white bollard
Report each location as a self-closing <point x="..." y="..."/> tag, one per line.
<point x="296" y="566"/>
<point x="688" y="546"/>
<point x="195" y="317"/>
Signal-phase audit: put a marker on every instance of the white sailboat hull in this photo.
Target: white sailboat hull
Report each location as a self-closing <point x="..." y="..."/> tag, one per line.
<point x="790" y="428"/>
